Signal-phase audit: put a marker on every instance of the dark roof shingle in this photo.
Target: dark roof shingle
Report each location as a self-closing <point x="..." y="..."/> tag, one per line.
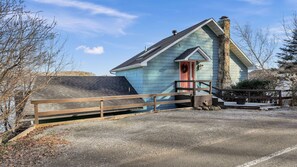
<point x="62" y="87"/>
<point x="144" y="55"/>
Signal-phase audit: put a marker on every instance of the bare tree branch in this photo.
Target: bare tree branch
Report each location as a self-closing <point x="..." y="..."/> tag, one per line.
<point x="258" y="44"/>
<point x="29" y="47"/>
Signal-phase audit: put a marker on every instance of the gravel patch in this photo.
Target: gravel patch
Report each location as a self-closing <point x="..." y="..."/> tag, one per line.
<point x="182" y="137"/>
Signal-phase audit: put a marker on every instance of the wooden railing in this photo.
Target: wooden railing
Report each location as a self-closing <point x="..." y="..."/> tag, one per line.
<point x="252" y="95"/>
<point x="231" y="94"/>
<point x="101" y="108"/>
<point x="204" y="85"/>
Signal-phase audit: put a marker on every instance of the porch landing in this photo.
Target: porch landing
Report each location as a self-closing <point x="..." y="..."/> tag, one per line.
<point x="264" y="106"/>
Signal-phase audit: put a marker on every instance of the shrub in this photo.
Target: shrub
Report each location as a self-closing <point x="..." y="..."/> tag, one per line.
<point x="252" y="84"/>
<point x="248" y="84"/>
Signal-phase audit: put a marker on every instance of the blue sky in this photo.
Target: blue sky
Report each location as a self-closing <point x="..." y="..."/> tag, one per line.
<point x="101" y="34"/>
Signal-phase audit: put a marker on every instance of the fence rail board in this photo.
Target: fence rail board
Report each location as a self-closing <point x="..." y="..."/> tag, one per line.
<point x="101" y="108"/>
<point x="232" y="94"/>
<point x="68" y="111"/>
<point x="194" y="86"/>
<point x="94" y="99"/>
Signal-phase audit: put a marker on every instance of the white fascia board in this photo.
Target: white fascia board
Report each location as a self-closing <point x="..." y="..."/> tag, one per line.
<point x="156" y="54"/>
<point x="187" y="58"/>
<point x="144" y="63"/>
<point x="128" y="67"/>
<point x="178" y="60"/>
<point x="207" y="58"/>
<point x="201" y="52"/>
<point x="249" y="62"/>
<point x="217" y="26"/>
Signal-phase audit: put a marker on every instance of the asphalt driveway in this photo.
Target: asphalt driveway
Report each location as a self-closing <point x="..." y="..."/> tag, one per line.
<point x="183" y="138"/>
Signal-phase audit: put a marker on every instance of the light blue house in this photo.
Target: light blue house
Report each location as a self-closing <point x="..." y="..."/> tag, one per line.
<point x="200" y="52"/>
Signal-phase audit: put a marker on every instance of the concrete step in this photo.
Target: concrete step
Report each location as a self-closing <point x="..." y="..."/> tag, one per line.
<point x="217" y="101"/>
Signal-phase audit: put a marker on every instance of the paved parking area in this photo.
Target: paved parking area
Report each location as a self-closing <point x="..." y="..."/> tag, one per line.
<point x="183" y="138"/>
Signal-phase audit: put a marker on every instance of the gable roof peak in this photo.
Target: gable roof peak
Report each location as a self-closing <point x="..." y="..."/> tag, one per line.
<point x="143" y="57"/>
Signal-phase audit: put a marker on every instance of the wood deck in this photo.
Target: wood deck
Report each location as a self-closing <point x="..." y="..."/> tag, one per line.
<point x="248" y="105"/>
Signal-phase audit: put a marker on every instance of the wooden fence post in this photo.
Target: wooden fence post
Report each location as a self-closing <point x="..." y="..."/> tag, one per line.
<point x="36" y="114"/>
<point x="193" y="99"/>
<point x="101" y="109"/>
<point x="210" y="87"/>
<point x="155" y="104"/>
<point x="220" y="94"/>
<point x="175" y="86"/>
<point x="249" y="96"/>
<point x="194" y="87"/>
<point x="280" y="99"/>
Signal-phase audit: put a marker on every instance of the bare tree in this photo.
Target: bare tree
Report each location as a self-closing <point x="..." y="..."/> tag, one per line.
<point x="259" y="44"/>
<point x="29" y="47"/>
<point x="289" y="25"/>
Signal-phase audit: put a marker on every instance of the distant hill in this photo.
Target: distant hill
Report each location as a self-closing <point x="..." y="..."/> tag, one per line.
<point x="75" y="73"/>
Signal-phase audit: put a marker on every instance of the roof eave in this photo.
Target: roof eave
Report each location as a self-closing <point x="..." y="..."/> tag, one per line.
<point x="128" y="67"/>
<point x="164" y="49"/>
<point x="213" y="25"/>
<point x="247" y="62"/>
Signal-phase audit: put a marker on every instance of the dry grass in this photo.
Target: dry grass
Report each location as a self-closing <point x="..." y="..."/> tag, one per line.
<point x="31" y="150"/>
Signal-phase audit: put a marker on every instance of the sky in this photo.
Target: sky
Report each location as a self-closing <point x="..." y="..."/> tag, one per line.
<point x="101" y="34"/>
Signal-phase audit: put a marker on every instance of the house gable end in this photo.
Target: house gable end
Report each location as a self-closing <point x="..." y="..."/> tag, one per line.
<point x="143" y="58"/>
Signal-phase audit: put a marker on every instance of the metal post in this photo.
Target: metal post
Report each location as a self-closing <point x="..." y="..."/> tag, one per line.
<point x="36" y="114"/>
<point x="101" y="109"/>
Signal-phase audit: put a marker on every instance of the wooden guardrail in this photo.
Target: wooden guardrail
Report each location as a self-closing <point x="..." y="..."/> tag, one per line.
<point x="231" y="94"/>
<point x="265" y="94"/>
<point x="101" y="108"/>
<point x="249" y="94"/>
<point x="193" y="86"/>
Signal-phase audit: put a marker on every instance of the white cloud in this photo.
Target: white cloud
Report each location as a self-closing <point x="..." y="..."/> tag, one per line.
<point x="97" y="50"/>
<point x="91" y="7"/>
<point x="103" y="20"/>
<point x="87" y="26"/>
<point x="257" y="2"/>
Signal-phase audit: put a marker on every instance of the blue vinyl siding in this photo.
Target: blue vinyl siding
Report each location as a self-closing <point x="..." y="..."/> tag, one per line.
<point x="161" y="72"/>
<point x="135" y="77"/>
<point x="209" y="42"/>
<point x="238" y="71"/>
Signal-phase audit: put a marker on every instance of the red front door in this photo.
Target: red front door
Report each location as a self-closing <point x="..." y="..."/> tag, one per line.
<point x="187" y="72"/>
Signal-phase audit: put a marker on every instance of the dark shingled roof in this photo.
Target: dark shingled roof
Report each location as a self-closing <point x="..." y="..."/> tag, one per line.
<point x="144" y="55"/>
<point x="61" y="87"/>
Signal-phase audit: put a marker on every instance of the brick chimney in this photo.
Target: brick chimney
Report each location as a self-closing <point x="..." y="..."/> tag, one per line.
<point x="224" y="79"/>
